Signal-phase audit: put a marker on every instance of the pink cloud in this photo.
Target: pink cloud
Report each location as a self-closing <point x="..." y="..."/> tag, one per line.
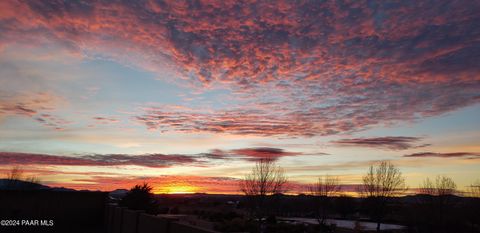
<point x="36" y="106"/>
<point x="105" y="120"/>
<point x="263" y="152"/>
<point x="303" y="69"/>
<point x="445" y="155"/>
<point x="251" y="154"/>
<point x="392" y="143"/>
<point x="146" y="160"/>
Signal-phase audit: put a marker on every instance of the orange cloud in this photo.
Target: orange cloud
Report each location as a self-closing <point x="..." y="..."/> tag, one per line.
<point x="161" y="184"/>
<point x="300" y="68"/>
<point x="34" y="105"/>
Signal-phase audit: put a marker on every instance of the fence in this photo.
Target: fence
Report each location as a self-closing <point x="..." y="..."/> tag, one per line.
<point x="68" y="211"/>
<point x="123" y="220"/>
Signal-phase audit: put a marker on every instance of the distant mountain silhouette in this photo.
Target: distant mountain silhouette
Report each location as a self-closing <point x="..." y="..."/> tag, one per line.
<point x="415" y="198"/>
<point x="118" y="193"/>
<point x="7" y="184"/>
<point x="62" y="189"/>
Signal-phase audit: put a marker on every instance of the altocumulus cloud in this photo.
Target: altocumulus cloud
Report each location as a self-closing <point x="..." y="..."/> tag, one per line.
<point x="33" y="105"/>
<point x="301" y="68"/>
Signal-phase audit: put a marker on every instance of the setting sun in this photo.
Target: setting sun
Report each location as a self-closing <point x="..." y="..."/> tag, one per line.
<point x="176" y="189"/>
<point x="240" y="116"/>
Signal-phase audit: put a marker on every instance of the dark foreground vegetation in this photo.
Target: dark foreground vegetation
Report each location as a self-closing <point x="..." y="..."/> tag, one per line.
<point x="418" y="213"/>
<point x="80" y="211"/>
<point x="382" y="204"/>
<point x="264" y="208"/>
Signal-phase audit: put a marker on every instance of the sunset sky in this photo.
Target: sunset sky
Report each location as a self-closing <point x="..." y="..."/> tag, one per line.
<point x="187" y="95"/>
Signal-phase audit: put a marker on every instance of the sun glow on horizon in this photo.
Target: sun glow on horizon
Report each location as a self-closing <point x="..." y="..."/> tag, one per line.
<point x="176" y="189"/>
<point x="187" y="99"/>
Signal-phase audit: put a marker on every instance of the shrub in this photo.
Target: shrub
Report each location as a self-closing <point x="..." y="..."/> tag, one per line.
<point x="140" y="197"/>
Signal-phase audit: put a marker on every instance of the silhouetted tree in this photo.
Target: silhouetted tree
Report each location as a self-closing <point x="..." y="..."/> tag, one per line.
<point x="15" y="179"/>
<point x="473" y="205"/>
<point x="266" y="179"/>
<point x="443" y="186"/>
<point x="380" y="184"/>
<point x="15" y="174"/>
<point x="323" y="190"/>
<point x="474" y="189"/>
<point x="140" y="197"/>
<point x="345" y="205"/>
<point x="437" y="200"/>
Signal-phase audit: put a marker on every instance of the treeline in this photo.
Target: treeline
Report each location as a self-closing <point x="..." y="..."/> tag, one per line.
<point x="434" y="208"/>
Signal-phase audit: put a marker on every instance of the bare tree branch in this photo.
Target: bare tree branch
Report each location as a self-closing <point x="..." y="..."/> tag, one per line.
<point x="323" y="190"/>
<point x="379" y="184"/>
<point x="266" y="179"/>
<point x="474" y="189"/>
<point x="443" y="186"/>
